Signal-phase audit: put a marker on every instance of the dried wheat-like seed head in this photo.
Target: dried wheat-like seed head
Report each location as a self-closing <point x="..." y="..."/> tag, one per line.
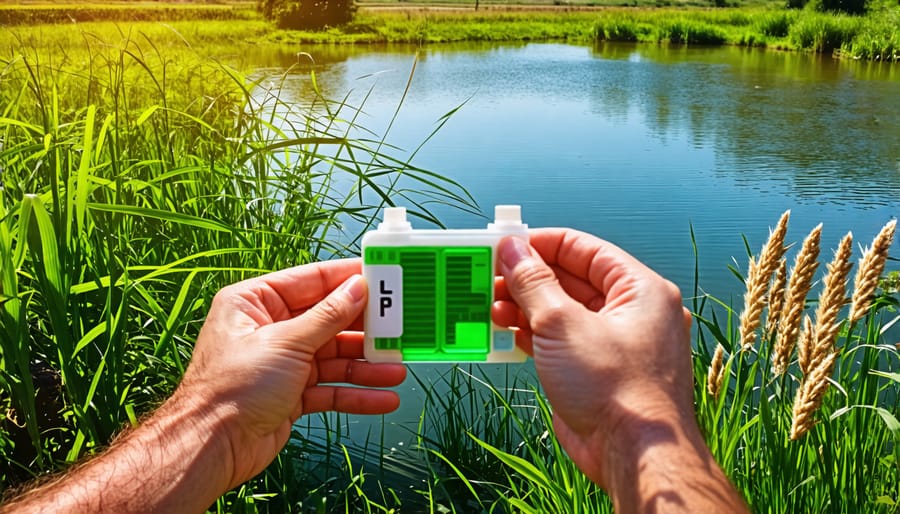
<point x="810" y="395"/>
<point x="772" y="252"/>
<point x="807" y="346"/>
<point x="754" y="299"/>
<point x="802" y="273"/>
<point x="831" y="300"/>
<point x="716" y="372"/>
<point x="776" y="298"/>
<point x="758" y="275"/>
<point x="870" y="267"/>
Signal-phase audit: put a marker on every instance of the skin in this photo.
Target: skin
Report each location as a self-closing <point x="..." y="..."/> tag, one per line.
<point x="611" y="345"/>
<point x="609" y="337"/>
<point x="270" y="350"/>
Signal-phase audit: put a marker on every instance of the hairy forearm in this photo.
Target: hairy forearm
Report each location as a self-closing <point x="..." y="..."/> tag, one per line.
<point x="174" y="462"/>
<point x="665" y="466"/>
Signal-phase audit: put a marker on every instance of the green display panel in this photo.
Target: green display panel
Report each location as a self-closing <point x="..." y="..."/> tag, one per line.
<point x="447" y="293"/>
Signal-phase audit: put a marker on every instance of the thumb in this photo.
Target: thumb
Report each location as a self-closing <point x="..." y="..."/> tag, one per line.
<point x="534" y="287"/>
<point x="312" y="329"/>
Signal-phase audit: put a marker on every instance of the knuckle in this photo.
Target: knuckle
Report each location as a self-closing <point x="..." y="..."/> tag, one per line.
<point x="549" y="319"/>
<point x="533" y="277"/>
<point x="672" y="292"/>
<point x="330" y="311"/>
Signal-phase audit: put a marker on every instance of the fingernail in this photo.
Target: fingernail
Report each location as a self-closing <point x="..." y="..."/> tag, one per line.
<point x="355" y="286"/>
<point x="512" y="251"/>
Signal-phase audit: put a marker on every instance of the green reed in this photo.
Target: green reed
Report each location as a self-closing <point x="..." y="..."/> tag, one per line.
<point x="138" y="178"/>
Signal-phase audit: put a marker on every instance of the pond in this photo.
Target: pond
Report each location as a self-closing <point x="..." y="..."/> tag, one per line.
<point x="637" y="144"/>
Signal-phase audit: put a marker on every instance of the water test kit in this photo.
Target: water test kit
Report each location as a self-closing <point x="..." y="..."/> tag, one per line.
<point x="431" y="290"/>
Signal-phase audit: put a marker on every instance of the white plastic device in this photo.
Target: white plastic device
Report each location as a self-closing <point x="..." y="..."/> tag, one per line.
<point x="430" y="291"/>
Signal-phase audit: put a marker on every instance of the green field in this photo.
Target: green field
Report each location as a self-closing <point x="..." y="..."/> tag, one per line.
<point x="875" y="36"/>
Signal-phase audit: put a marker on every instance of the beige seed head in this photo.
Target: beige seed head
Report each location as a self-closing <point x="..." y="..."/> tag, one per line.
<point x="776" y="298"/>
<point x="805" y="264"/>
<point x="831" y="300"/>
<point x="772" y="252"/>
<point x="806" y="348"/>
<point x="758" y="276"/>
<point x="754" y="300"/>
<point x="716" y="372"/>
<point x="870" y="268"/>
<point x="810" y="395"/>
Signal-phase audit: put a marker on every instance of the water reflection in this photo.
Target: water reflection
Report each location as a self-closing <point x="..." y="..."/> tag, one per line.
<point x="635" y="142"/>
<point x="640" y="143"/>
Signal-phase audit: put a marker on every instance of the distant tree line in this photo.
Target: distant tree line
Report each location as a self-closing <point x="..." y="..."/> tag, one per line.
<point x="844" y="6"/>
<point x="307" y="14"/>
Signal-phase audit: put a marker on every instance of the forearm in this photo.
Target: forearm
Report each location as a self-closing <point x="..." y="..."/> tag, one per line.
<point x="665" y="466"/>
<point x="175" y="462"/>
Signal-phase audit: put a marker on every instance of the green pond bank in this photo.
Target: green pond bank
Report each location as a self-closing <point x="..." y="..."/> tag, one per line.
<point x="875" y="36"/>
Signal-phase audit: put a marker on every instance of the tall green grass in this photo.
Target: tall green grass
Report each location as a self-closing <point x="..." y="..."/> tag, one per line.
<point x="137" y="180"/>
<point x="139" y="177"/>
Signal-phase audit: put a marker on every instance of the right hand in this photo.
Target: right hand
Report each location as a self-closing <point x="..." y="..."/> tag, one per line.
<point x="610" y="341"/>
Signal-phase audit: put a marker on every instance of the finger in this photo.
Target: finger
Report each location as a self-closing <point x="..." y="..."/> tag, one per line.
<point x="303" y="286"/>
<point x="579" y="289"/>
<point x="524" y="341"/>
<point x="348" y="344"/>
<point x="317" y="326"/>
<point x="585" y="256"/>
<point x="350" y="400"/>
<point x="500" y="290"/>
<point x="534" y="287"/>
<point x="508" y="314"/>
<point x="361" y="373"/>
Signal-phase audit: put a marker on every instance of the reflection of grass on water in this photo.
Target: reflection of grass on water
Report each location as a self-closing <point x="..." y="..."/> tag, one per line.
<point x="133" y="187"/>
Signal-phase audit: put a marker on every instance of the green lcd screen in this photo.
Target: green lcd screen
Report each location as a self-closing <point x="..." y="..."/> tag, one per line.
<point x="446" y="304"/>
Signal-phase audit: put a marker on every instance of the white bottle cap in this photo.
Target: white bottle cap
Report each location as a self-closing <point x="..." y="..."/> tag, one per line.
<point x="507" y="214"/>
<point x="394" y="219"/>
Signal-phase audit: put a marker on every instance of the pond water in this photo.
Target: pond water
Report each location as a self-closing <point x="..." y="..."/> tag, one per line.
<point x="637" y="144"/>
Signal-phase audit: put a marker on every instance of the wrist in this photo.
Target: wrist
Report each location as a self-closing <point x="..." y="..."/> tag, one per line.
<point x="632" y="434"/>
<point x="654" y="458"/>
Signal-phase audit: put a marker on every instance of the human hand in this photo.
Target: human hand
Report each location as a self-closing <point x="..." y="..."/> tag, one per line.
<point x="267" y="351"/>
<point x="610" y="340"/>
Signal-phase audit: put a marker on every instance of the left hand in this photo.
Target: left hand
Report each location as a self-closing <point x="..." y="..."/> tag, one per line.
<point x="268" y="346"/>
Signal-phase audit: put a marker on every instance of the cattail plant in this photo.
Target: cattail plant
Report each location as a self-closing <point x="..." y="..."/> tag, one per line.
<point x="869" y="272"/>
<point x="759" y="273"/>
<point x="805" y="265"/>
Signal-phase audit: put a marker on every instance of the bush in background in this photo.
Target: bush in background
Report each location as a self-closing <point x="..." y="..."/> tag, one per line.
<point x="307" y="14"/>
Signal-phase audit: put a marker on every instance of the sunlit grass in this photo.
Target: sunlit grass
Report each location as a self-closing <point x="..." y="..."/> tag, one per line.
<point x="137" y="180"/>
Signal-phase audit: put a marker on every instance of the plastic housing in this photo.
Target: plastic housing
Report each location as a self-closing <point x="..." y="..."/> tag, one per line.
<point x="430" y="291"/>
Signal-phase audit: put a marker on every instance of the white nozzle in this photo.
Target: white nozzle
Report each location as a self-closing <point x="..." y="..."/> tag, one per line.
<point x="394" y="219"/>
<point x="507" y="214"/>
<point x="508" y="218"/>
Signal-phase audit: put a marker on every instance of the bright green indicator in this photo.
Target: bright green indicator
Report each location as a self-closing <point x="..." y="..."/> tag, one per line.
<point x="447" y="295"/>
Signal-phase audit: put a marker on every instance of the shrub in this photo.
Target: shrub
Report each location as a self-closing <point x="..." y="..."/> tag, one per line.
<point x="307" y="14"/>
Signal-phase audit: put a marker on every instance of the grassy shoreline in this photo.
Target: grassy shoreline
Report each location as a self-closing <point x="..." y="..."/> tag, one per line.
<point x="874" y="37"/>
<point x="156" y="177"/>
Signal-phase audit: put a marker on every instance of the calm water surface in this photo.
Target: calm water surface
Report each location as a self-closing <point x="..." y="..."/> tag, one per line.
<point x="636" y="144"/>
